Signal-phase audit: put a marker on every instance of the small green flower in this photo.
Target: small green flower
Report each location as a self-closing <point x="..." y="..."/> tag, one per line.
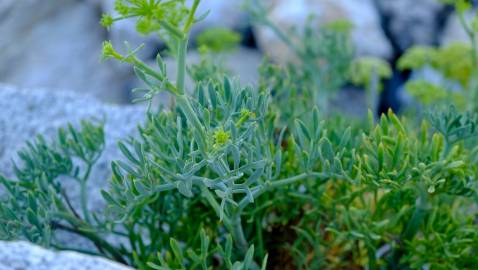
<point x="144" y="25"/>
<point x="110" y="52"/>
<point x="219" y="39"/>
<point x="245" y="115"/>
<point x="474" y="23"/>
<point x="221" y="137"/>
<point x="122" y="8"/>
<point x="364" y="68"/>
<point x="106" y="20"/>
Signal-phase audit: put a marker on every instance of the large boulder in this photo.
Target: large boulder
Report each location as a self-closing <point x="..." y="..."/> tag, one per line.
<point x="367" y="35"/>
<point x="26" y="256"/>
<point x="57" y="45"/>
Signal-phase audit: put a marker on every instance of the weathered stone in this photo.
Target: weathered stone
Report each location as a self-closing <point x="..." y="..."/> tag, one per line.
<point x="58" y="46"/>
<point x="26" y="256"/>
<point x="454" y="31"/>
<point x="411" y="22"/>
<point x="243" y="63"/>
<point x="28" y="112"/>
<point x="360" y="13"/>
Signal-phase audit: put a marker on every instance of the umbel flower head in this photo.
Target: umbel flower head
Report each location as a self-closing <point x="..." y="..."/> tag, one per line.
<point x="151" y="15"/>
<point x="110" y="52"/>
<point x="221" y="137"/>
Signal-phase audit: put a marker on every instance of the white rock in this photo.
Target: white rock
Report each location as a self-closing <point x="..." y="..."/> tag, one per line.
<point x="57" y="46"/>
<point x="26" y="256"/>
<point x="367" y="36"/>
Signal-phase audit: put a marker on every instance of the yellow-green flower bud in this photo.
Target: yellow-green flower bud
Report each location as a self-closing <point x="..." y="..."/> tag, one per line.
<point x="110" y="52"/>
<point x="106" y="20"/>
<point x="221" y="137"/>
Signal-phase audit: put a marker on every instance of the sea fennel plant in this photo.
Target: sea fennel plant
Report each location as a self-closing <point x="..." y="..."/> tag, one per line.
<point x="223" y="180"/>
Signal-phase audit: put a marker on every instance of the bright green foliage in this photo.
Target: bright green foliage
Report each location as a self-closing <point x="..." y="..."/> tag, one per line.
<point x="218" y="39"/>
<point x="432" y="94"/>
<point x="453" y="61"/>
<point x="364" y="69"/>
<point x="200" y="259"/>
<point x="456" y="62"/>
<point x="232" y="177"/>
<point x="153" y="15"/>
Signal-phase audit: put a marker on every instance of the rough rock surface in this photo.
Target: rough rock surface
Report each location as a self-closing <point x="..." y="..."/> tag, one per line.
<point x="243" y="63"/>
<point x="58" y="46"/>
<point x="453" y="30"/>
<point x="361" y="13"/>
<point x="27" y="112"/>
<point x="26" y="256"/>
<point x="411" y="22"/>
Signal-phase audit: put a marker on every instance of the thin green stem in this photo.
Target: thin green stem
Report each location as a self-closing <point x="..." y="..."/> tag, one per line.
<point x="282" y="182"/>
<point x="217" y="208"/>
<point x="181" y="65"/>
<point x="284" y="37"/>
<point x="84" y="194"/>
<point x="172" y="29"/>
<point x="190" y="20"/>
<point x="84" y="201"/>
<point x="238" y="234"/>
<point x="83" y="229"/>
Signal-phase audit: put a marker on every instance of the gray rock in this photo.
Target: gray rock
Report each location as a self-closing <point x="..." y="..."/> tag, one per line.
<point x="228" y="14"/>
<point x="411" y="22"/>
<point x="361" y="13"/>
<point x="243" y="63"/>
<point x="57" y="45"/>
<point x="28" y="112"/>
<point x="26" y="256"/>
<point x="454" y="31"/>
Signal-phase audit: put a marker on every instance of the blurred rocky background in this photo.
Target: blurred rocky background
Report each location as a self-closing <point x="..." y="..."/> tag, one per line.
<point x="56" y="44"/>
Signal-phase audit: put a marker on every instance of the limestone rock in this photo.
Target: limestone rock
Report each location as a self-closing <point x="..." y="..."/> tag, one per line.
<point x="411" y="22"/>
<point x="58" y="46"/>
<point x="454" y="31"/>
<point x="26" y="256"/>
<point x="28" y="112"/>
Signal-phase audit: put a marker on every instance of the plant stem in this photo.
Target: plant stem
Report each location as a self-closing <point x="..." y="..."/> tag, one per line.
<point x="238" y="234"/>
<point x="190" y="20"/>
<point x="282" y="182"/>
<point x="181" y="65"/>
<point x="83" y="229"/>
<point x="84" y="194"/>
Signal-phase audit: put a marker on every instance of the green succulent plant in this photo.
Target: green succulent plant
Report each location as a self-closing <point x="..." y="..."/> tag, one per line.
<point x="238" y="177"/>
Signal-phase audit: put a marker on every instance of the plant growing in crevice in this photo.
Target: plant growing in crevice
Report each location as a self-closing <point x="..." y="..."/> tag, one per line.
<point x="223" y="180"/>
